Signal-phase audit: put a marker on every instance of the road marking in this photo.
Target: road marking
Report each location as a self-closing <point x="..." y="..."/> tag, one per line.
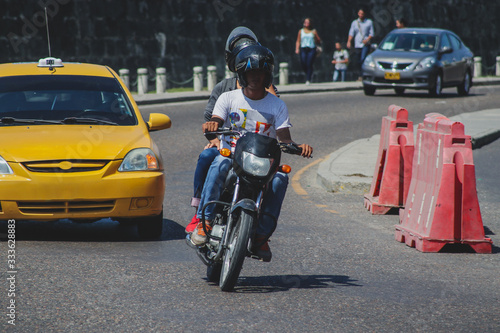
<point x="331" y="211"/>
<point x="296" y="178"/>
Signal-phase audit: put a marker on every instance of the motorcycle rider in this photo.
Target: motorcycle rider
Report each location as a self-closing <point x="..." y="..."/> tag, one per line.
<point x="239" y="38"/>
<point x="253" y="109"/>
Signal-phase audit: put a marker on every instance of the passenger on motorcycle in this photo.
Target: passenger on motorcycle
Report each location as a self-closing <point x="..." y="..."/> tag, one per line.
<point x="252" y="109"/>
<point x="238" y="39"/>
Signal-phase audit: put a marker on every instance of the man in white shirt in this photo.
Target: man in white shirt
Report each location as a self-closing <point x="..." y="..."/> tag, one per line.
<point x="253" y="109"/>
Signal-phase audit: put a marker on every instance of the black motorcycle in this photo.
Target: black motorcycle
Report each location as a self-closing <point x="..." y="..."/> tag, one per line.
<point x="255" y="161"/>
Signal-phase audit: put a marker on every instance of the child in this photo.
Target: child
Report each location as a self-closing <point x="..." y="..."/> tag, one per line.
<point x="340" y="60"/>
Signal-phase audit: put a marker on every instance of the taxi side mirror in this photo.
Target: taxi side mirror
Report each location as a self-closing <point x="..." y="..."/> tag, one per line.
<point x="158" y="121"/>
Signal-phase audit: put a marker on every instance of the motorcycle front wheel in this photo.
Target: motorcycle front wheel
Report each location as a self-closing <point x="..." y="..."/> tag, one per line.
<point x="236" y="252"/>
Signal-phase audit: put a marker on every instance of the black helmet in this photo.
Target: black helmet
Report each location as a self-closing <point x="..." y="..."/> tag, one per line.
<point x="254" y="57"/>
<point x="238" y="39"/>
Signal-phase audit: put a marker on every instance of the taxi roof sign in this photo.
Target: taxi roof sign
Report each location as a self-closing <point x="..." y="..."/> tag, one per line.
<point x="50" y="62"/>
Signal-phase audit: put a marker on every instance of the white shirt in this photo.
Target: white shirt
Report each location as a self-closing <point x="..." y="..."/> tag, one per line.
<point x="263" y="116"/>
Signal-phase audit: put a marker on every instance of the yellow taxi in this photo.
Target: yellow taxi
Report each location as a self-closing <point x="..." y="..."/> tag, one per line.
<point x="75" y="146"/>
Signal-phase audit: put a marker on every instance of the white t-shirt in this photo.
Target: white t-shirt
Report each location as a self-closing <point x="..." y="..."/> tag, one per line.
<point x="243" y="114"/>
<point x="339" y="56"/>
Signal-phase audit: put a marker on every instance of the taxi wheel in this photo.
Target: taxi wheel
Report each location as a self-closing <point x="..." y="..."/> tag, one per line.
<point x="150" y="227"/>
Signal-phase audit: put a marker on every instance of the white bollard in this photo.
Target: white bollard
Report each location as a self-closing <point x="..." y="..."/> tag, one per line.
<point x="229" y="74"/>
<point x="161" y="80"/>
<point x="283" y="73"/>
<point x="125" y="76"/>
<point x="478" y="67"/>
<point x="198" y="78"/>
<point x="211" y="77"/>
<point x="142" y="81"/>
<point x="497" y="69"/>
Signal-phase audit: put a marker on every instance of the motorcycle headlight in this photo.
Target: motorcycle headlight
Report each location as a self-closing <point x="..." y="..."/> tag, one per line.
<point x="425" y="63"/>
<point x="369" y="62"/>
<point x="257" y="166"/>
<point x="140" y="159"/>
<point x="5" y="167"/>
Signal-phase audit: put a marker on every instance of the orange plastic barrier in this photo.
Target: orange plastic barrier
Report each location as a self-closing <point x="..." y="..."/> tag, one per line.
<point x="392" y="176"/>
<point x="442" y="206"/>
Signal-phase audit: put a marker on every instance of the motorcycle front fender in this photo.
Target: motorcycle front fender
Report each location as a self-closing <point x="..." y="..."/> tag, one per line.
<point x="245" y="204"/>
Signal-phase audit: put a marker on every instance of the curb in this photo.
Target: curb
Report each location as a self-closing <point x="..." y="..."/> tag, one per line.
<point x="149" y="99"/>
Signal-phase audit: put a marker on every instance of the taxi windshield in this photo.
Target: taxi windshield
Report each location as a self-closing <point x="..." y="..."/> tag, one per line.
<point x="57" y="98"/>
<point x="409" y="42"/>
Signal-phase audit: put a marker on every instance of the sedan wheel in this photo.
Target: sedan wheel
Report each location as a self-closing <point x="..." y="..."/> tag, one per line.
<point x="399" y="91"/>
<point x="436" y="89"/>
<point x="464" y="88"/>
<point x="369" y="90"/>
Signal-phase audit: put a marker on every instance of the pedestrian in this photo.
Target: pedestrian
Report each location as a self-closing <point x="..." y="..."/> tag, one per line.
<point x="361" y="32"/>
<point x="239" y="110"/>
<point x="340" y="60"/>
<point x="307" y="42"/>
<point x="401" y="23"/>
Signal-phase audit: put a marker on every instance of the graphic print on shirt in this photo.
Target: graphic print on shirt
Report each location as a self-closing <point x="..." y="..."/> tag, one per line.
<point x="248" y="120"/>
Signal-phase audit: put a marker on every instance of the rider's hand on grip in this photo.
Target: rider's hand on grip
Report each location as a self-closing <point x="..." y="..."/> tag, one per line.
<point x="306" y="150"/>
<point x="210" y="126"/>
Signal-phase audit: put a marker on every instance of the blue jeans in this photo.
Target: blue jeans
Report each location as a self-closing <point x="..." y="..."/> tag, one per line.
<point x="363" y="52"/>
<point x="336" y="75"/>
<point x="204" y="161"/>
<point x="307" y="56"/>
<point x="272" y="202"/>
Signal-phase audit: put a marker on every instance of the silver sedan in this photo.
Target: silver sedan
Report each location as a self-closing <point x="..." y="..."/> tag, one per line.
<point x="419" y="58"/>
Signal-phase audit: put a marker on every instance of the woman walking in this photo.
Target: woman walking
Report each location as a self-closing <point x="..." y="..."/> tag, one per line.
<point x="307" y="41"/>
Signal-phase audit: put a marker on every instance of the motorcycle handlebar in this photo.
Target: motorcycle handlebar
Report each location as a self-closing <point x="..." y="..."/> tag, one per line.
<point x="289" y="148"/>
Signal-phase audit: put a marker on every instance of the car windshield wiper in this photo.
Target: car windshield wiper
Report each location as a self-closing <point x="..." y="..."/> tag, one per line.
<point x="11" y="120"/>
<point x="76" y="120"/>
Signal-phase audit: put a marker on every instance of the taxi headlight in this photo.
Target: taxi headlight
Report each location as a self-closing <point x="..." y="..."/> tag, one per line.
<point x="139" y="159"/>
<point x="257" y="166"/>
<point x="5" y="168"/>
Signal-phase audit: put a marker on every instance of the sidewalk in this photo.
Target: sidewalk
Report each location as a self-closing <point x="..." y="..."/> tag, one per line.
<point x="342" y="170"/>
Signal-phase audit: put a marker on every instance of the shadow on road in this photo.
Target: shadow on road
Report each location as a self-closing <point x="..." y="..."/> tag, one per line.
<point x="104" y="230"/>
<point x="277" y="283"/>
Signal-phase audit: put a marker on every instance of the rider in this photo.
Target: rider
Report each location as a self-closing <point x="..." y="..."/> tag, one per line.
<point x="239" y="109"/>
<point x="238" y="39"/>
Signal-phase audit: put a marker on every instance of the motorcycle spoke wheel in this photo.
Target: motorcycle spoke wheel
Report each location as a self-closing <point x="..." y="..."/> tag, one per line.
<point x="236" y="252"/>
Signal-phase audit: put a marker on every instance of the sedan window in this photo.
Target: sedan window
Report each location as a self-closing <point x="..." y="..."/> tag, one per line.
<point x="455" y="42"/>
<point x="409" y="42"/>
<point x="59" y="97"/>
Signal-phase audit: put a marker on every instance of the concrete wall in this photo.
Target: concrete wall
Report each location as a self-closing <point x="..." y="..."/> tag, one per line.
<point x="180" y="34"/>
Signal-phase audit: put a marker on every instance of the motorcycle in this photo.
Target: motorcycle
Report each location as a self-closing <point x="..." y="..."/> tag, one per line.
<point x="255" y="161"/>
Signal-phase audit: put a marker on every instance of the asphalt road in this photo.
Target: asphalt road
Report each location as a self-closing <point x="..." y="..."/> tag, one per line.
<point x="335" y="267"/>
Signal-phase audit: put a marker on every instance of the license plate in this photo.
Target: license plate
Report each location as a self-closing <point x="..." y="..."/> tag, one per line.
<point x="391" y="76"/>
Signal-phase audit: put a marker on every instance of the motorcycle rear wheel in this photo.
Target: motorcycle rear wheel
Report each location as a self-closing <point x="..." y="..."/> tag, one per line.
<point x="236" y="252"/>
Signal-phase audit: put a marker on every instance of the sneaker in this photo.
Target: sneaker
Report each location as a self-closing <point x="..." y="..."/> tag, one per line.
<point x="192" y="225"/>
<point x="198" y="237"/>
<point x="308" y="83"/>
<point x="262" y="249"/>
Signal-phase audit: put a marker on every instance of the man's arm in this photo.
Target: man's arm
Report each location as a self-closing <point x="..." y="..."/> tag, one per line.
<point x="212" y="126"/>
<point x="285" y="137"/>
